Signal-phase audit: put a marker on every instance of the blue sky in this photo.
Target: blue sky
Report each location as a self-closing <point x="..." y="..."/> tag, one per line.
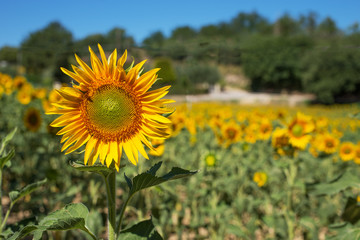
<point x="140" y="18"/>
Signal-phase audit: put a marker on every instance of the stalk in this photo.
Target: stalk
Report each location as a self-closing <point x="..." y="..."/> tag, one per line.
<point x="110" y="182"/>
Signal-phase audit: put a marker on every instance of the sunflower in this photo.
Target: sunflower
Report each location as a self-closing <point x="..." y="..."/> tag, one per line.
<point x="32" y="119"/>
<point x="299" y="130"/>
<point x="19" y="82"/>
<point x="357" y="154"/>
<point x="260" y="178"/>
<point x="230" y="133"/>
<point x="347" y="151"/>
<point x="328" y="143"/>
<point x="24" y="96"/>
<point x="265" y="129"/>
<point x="210" y="160"/>
<point x="110" y="110"/>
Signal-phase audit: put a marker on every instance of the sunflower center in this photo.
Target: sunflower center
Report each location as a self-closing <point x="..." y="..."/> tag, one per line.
<point x="297" y="130"/>
<point x="329" y="143"/>
<point x="112" y="113"/>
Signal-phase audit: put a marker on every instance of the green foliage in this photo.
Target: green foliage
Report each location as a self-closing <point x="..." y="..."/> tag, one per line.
<point x="143" y="230"/>
<point x="16" y="195"/>
<point x="167" y="73"/>
<point x="148" y="178"/>
<point x="273" y="63"/>
<point x="47" y="48"/>
<point x="72" y="216"/>
<point x="344" y="181"/>
<point x="9" y="54"/>
<point x="331" y="73"/>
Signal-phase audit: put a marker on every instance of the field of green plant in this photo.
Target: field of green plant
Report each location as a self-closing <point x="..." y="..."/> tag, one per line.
<point x="264" y="172"/>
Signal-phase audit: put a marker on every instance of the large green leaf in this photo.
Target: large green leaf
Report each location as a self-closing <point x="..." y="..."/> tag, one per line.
<point x="148" y="178"/>
<point x="5" y="159"/>
<point x="348" y="179"/>
<point x="72" y="216"/>
<point x="6" y="140"/>
<point x="140" y="231"/>
<point x="16" y="195"/>
<point x="346" y="232"/>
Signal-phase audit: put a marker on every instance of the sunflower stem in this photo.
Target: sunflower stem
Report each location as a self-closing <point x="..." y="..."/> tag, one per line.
<point x="1" y="211"/>
<point x="110" y="182"/>
<point x="118" y="228"/>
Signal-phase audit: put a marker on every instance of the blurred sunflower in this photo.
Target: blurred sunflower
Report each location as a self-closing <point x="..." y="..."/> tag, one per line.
<point x="260" y="178"/>
<point x="111" y="110"/>
<point x="32" y="119"/>
<point x="328" y="143"/>
<point x="24" y="96"/>
<point x="299" y="130"/>
<point x="265" y="129"/>
<point x="210" y="160"/>
<point x="347" y="151"/>
<point x="230" y="132"/>
<point x="357" y="154"/>
<point x="19" y="82"/>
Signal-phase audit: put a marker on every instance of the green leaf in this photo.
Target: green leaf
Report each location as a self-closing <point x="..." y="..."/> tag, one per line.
<point x="72" y="216"/>
<point x="7" y="139"/>
<point x="142" y="230"/>
<point x="346" y="232"/>
<point x="63" y="219"/>
<point x="4" y="160"/>
<point x="340" y="183"/>
<point x="97" y="168"/>
<point x="24" y="232"/>
<point x="351" y="212"/>
<point x="16" y="195"/>
<point x="148" y="178"/>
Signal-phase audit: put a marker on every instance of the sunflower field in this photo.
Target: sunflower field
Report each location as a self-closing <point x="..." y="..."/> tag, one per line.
<point x="264" y="172"/>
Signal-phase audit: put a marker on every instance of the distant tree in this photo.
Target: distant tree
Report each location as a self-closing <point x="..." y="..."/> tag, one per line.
<point x="183" y="33"/>
<point x="167" y="72"/>
<point x="308" y="23"/>
<point x="332" y="73"/>
<point x="250" y="23"/>
<point x="272" y="63"/>
<point x="210" y="31"/>
<point x="175" y="50"/>
<point x="286" y="26"/>
<point x="47" y="48"/>
<point x="327" y="28"/>
<point x="154" y="44"/>
<point x="117" y="38"/>
<point x="8" y="54"/>
<point x="92" y="40"/>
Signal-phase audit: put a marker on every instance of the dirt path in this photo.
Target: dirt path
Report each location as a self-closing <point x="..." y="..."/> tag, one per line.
<point x="244" y="97"/>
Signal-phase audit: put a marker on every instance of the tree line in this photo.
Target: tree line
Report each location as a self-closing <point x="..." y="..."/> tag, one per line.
<point x="293" y="54"/>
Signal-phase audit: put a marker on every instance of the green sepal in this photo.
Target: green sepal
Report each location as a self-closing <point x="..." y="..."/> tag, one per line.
<point x="16" y="195"/>
<point x="144" y="230"/>
<point x="72" y="216"/>
<point x="96" y="168"/>
<point x="338" y="184"/>
<point x="131" y="66"/>
<point x="168" y="114"/>
<point x="148" y="178"/>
